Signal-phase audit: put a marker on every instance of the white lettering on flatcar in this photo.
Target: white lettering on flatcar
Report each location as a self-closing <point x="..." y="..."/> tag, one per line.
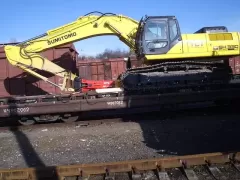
<point x="16" y="110"/>
<point x="115" y="103"/>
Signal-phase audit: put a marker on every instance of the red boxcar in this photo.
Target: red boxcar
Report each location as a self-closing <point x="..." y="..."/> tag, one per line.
<point x="14" y="81"/>
<point x="235" y="64"/>
<point x="98" y="69"/>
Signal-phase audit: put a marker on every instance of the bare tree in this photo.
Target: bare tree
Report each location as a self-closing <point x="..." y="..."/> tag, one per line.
<point x="13" y="40"/>
<point x="108" y="53"/>
<point x="84" y="57"/>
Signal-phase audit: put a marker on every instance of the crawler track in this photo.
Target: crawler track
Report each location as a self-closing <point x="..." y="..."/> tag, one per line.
<point x="192" y="167"/>
<point x="176" y="76"/>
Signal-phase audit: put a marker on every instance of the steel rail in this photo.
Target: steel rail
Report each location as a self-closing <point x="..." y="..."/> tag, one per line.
<point x="158" y="168"/>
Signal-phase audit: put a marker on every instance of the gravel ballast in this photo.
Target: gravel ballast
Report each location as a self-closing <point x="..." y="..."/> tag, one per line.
<point x="70" y="144"/>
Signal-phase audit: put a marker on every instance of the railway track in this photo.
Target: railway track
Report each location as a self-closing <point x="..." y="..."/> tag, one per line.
<point x="220" y="166"/>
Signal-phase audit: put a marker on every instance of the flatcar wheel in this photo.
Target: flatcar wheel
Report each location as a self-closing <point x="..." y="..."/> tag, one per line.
<point x="69" y="119"/>
<point x="26" y="121"/>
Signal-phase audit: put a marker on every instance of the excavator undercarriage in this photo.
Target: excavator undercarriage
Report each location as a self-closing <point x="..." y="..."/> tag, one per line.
<point x="176" y="76"/>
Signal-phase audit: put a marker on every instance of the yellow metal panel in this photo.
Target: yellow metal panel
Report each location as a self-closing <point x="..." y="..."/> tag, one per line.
<point x="177" y="49"/>
<point x="199" y="45"/>
<point x="220" y="37"/>
<point x="196" y="43"/>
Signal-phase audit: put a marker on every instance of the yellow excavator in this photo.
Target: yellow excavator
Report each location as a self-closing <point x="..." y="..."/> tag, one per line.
<point x="172" y="60"/>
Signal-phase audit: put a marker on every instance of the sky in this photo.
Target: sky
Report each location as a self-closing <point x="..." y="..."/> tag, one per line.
<point x="22" y="20"/>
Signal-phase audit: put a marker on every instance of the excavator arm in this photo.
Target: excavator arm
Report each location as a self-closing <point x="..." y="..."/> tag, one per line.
<point x="26" y="54"/>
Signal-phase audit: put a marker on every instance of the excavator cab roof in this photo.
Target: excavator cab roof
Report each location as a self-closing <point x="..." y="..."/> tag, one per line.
<point x="212" y="29"/>
<point x="161" y="17"/>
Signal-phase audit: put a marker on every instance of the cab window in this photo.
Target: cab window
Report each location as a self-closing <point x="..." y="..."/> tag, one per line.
<point x="156" y="30"/>
<point x="173" y="29"/>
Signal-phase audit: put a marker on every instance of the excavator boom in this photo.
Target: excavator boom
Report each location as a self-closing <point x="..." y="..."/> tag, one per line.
<point x="26" y="55"/>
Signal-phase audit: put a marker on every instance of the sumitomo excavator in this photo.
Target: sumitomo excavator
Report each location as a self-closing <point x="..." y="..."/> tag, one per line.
<point x="172" y="61"/>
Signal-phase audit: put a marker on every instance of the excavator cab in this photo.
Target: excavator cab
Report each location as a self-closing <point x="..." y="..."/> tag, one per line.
<point x="157" y="35"/>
